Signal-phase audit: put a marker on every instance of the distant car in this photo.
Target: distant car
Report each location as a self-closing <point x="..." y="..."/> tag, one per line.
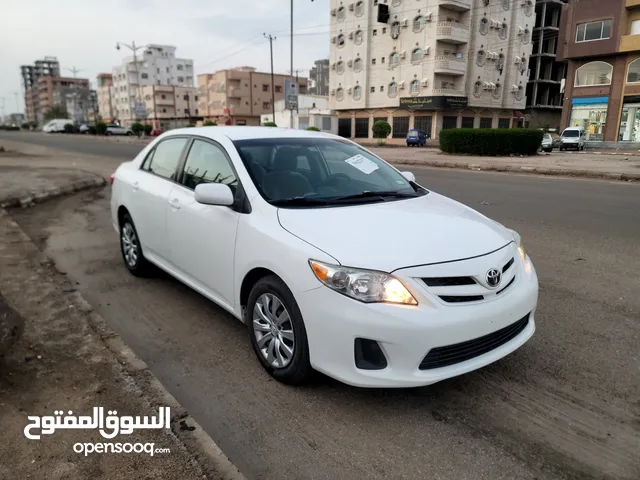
<point x="416" y="138"/>
<point x="156" y="132"/>
<point x="56" y="125"/>
<point x="573" y="137"/>
<point x="547" y="143"/>
<point x="113" y="129"/>
<point x="87" y="128"/>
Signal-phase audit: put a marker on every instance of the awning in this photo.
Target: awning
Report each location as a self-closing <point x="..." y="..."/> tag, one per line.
<point x="518" y="114"/>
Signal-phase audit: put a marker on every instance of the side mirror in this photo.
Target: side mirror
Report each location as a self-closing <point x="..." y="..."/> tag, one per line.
<point x="409" y="176"/>
<point x="214" y="194"/>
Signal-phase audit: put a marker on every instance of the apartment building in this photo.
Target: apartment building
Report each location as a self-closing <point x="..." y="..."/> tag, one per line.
<point x="429" y="64"/>
<point x="72" y="94"/>
<point x="319" y="78"/>
<point x="239" y="96"/>
<point x="544" y="90"/>
<point x="104" y="82"/>
<point x="601" y="44"/>
<point x="156" y="65"/>
<point x="169" y="106"/>
<point x="49" y="66"/>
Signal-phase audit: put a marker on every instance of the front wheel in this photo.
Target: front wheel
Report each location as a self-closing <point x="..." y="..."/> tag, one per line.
<point x="108" y="134"/>
<point x="129" y="134"/>
<point x="131" y="249"/>
<point x="277" y="332"/>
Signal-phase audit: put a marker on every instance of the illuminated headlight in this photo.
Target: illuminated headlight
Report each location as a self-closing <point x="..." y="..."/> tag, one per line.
<point x="523" y="254"/>
<point x="366" y="286"/>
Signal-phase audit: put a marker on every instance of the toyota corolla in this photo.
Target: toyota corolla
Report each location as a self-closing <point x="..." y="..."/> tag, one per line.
<point x="335" y="261"/>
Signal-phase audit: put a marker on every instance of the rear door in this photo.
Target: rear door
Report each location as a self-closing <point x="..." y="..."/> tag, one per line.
<point x="149" y="195"/>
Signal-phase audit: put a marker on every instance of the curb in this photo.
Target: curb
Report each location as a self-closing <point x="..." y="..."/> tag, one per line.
<point x="626" y="177"/>
<point x="38" y="197"/>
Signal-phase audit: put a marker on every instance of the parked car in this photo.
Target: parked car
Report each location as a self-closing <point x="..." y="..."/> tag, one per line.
<point x="547" y="143"/>
<point x="56" y="125"/>
<point x="573" y="137"/>
<point x="87" y="128"/>
<point x="303" y="236"/>
<point x="416" y="138"/>
<point x="113" y="129"/>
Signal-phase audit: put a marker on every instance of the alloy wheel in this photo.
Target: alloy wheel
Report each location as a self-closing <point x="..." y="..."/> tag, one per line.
<point x="129" y="241"/>
<point x="273" y="329"/>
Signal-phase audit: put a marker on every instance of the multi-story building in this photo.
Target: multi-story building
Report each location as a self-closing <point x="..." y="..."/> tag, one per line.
<point x="156" y="65"/>
<point x="49" y="66"/>
<point x="72" y="94"/>
<point x="313" y="111"/>
<point x="429" y="64"/>
<point x="239" y="96"/>
<point x="104" y="82"/>
<point x="547" y="75"/>
<point x="169" y="106"/>
<point x="601" y="43"/>
<point x="319" y="78"/>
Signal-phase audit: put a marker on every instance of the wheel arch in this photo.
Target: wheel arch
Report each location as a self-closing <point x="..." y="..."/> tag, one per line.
<point x="250" y="279"/>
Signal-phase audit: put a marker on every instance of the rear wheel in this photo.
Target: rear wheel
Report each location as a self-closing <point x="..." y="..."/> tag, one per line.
<point x="129" y="134"/>
<point x="131" y="249"/>
<point x="108" y="133"/>
<point x="277" y="332"/>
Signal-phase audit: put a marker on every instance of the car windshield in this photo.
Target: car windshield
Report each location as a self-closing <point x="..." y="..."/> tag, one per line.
<point x="320" y="172"/>
<point x="571" y="133"/>
<point x="547" y="137"/>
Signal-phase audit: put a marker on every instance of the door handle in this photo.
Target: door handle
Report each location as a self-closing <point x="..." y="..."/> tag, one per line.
<point x="174" y="203"/>
<point x="135" y="185"/>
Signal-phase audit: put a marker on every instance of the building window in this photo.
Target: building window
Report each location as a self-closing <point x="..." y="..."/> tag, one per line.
<point x="382" y="88"/>
<point x="341" y="14"/>
<point x="340" y="41"/>
<point x="629" y="128"/>
<point x="418" y="23"/>
<point x="265" y="87"/>
<point x="486" y="122"/>
<point x="326" y="124"/>
<point x="374" y="32"/>
<point x="362" y="128"/>
<point x="382" y="60"/>
<point x="395" y="29"/>
<point x="163" y="96"/>
<point x="144" y="75"/>
<point x="528" y="10"/>
<point x="520" y="93"/>
<point x="497" y="92"/>
<point x="477" y="88"/>
<point x="394" y="59"/>
<point x="467" y="122"/>
<point x="266" y="105"/>
<point x="505" y="4"/>
<point x="484" y="25"/>
<point x="400" y="127"/>
<point x="357" y="65"/>
<point x="357" y="92"/>
<point x="504" y="123"/>
<point x="503" y="31"/>
<point x="593" y="73"/>
<point x="373" y="89"/>
<point x="633" y="72"/>
<point x="449" y="121"/>
<point x="195" y="98"/>
<point x="180" y="79"/>
<point x="393" y="89"/>
<point x="588" y="32"/>
<point x="179" y="67"/>
<point x="359" y="8"/>
<point x="339" y="94"/>
<point x="168" y="70"/>
<point x="591" y="114"/>
<point x="416" y="55"/>
<point x="359" y="37"/>
<point x="373" y="61"/>
<point x="384" y="30"/>
<point x="278" y="89"/>
<point x="340" y="67"/>
<point x="415" y="87"/>
<point x="481" y="58"/>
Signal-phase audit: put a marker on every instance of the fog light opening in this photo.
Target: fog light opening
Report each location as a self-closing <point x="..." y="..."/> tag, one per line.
<point x="369" y="355"/>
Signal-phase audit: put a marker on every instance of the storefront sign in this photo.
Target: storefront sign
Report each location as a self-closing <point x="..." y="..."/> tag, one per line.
<point x="433" y="103"/>
<point x="589" y="100"/>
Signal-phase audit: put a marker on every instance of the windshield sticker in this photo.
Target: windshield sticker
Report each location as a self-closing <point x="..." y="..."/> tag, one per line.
<point x="363" y="164"/>
<point x="400" y="182"/>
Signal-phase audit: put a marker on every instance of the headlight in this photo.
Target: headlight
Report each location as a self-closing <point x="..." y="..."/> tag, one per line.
<point x="523" y="254"/>
<point x="366" y="286"/>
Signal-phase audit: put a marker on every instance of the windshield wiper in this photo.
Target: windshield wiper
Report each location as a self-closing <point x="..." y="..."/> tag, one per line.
<point x="299" y="202"/>
<point x="369" y="194"/>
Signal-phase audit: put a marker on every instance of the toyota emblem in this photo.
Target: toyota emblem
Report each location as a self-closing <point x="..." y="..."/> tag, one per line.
<point x="493" y="277"/>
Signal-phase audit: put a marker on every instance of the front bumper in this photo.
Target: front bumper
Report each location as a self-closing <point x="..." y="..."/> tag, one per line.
<point x="407" y="334"/>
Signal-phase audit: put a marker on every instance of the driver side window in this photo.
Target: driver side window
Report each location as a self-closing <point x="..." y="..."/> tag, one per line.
<point x="207" y="163"/>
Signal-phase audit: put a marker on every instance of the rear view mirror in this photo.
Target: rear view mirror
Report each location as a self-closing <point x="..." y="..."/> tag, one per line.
<point x="214" y="194"/>
<point x="409" y="176"/>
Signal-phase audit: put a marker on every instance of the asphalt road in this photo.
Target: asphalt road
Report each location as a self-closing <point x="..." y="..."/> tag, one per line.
<point x="566" y="405"/>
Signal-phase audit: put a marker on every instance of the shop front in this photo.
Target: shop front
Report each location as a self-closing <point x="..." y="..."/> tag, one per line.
<point x="591" y="114"/>
<point x="630" y="120"/>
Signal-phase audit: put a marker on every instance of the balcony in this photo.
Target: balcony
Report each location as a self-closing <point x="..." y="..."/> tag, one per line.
<point x="448" y="92"/>
<point x="630" y="43"/>
<point x="164" y="101"/>
<point x="237" y="92"/>
<point x="456" y="5"/>
<point x="630" y="4"/>
<point x="452" y="32"/>
<point x="450" y="66"/>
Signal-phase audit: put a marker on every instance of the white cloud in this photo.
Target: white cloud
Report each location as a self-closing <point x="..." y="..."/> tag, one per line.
<point x="217" y="34"/>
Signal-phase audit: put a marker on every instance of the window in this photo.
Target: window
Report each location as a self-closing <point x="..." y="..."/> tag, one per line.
<point x="180" y="79"/>
<point x="357" y="92"/>
<point x="503" y="31"/>
<point x="359" y="37"/>
<point x="418" y="23"/>
<point x="384" y="30"/>
<point x="593" y="73"/>
<point x="394" y="58"/>
<point x="341" y="14"/>
<point x="357" y="65"/>
<point x="505" y="4"/>
<point x="266" y="105"/>
<point x="382" y="60"/>
<point x="484" y="25"/>
<point x="362" y="128"/>
<point x="207" y="163"/>
<point x="373" y="61"/>
<point x="144" y="75"/>
<point x="164" y="159"/>
<point x="477" y="88"/>
<point x="373" y="89"/>
<point x="481" y="58"/>
<point x="340" y="40"/>
<point x="340" y="67"/>
<point x="449" y="122"/>
<point x="326" y="123"/>
<point x="168" y="70"/>
<point x="416" y="55"/>
<point x="395" y="29"/>
<point x="467" y="122"/>
<point x="393" y="89"/>
<point x="382" y="88"/>
<point x="528" y="10"/>
<point x="497" y="92"/>
<point x="504" y="123"/>
<point x="340" y="94"/>
<point x="400" y="127"/>
<point x="633" y="72"/>
<point x="486" y="122"/>
<point x="415" y="87"/>
<point x="635" y="27"/>
<point x="588" y="32"/>
<point x="359" y="8"/>
<point x="374" y="32"/>
<point x="163" y="96"/>
<point x="265" y="87"/>
<point x="278" y="88"/>
<point x="179" y="67"/>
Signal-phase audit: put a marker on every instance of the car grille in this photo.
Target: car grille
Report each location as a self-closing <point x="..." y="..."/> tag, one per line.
<point x="448" y="281"/>
<point x="460" y="352"/>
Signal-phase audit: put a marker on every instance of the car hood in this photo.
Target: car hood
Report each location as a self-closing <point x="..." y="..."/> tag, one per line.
<point x="387" y="236"/>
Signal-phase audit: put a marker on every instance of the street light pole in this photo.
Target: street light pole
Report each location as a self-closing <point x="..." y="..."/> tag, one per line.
<point x="134" y="49"/>
<point x="273" y="96"/>
<point x="75" y="72"/>
<point x="291" y="69"/>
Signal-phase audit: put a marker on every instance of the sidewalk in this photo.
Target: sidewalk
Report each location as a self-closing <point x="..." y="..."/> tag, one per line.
<point x="69" y="359"/>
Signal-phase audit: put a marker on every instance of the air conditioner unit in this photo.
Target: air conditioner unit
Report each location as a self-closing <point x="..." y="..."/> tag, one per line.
<point x="405" y="23"/>
<point x="349" y="90"/>
<point x="333" y="91"/>
<point x="333" y="66"/>
<point x="495" y="24"/>
<point x="425" y="82"/>
<point x="520" y="31"/>
<point x="514" y="89"/>
<point x="333" y="39"/>
<point x="401" y="85"/>
<point x="486" y="86"/>
<point x="428" y="17"/>
<point x="403" y="54"/>
<point x="518" y="61"/>
<point x="333" y="12"/>
<point x="350" y="63"/>
<point x="427" y="50"/>
<point x="351" y="7"/>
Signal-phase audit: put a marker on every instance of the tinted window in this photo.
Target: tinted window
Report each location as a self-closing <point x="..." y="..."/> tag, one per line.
<point x="207" y="163"/>
<point x="165" y="158"/>
<point x="571" y="133"/>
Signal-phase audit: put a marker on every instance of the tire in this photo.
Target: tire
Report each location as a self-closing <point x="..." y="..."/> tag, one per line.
<point x="296" y="368"/>
<point x="129" y="134"/>
<point x="108" y="133"/>
<point x="548" y="150"/>
<point x="131" y="249"/>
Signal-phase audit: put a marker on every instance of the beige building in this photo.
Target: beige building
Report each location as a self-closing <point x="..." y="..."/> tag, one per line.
<point x="170" y="106"/>
<point x="429" y="64"/>
<point x="72" y="94"/>
<point x="106" y="107"/>
<point x="240" y="95"/>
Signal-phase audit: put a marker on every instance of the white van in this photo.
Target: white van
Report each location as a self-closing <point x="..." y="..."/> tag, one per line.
<point x="56" y="125"/>
<point x="573" y="137"/>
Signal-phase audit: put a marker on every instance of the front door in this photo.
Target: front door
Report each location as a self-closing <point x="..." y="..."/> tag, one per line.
<point x="203" y="237"/>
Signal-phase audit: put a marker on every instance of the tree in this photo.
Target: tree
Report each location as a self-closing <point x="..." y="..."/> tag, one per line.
<point x="137" y="128"/>
<point x="101" y="128"/>
<point x="381" y="129"/>
<point x="209" y="123"/>
<point x="68" y="128"/>
<point x="313" y="129"/>
<point x="148" y="128"/>
<point x="269" y="124"/>
<point x="57" y="111"/>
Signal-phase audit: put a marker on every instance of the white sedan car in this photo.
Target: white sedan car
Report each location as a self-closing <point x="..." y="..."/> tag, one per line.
<point x="335" y="260"/>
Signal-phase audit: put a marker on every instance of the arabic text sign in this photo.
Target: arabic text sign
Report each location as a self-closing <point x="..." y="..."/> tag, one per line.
<point x="109" y="426"/>
<point x="433" y="103"/>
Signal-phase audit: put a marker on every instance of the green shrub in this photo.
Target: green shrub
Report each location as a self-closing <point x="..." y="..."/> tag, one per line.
<point x="68" y="128"/>
<point x="491" y="141"/>
<point x="101" y="128"/>
<point x="269" y="124"/>
<point x="10" y="128"/>
<point x="26" y="126"/>
<point x="313" y="129"/>
<point x="209" y="123"/>
<point x="137" y="128"/>
<point x="92" y="130"/>
<point x="381" y="129"/>
<point x="381" y="142"/>
<point x="148" y="128"/>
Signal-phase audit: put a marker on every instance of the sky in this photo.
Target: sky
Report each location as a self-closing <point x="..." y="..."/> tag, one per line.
<point x="216" y="34"/>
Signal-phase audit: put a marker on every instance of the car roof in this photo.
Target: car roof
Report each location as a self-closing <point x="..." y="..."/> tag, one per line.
<point x="248" y="133"/>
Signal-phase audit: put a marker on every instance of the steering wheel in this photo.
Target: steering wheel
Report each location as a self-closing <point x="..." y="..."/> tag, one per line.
<point x="336" y="178"/>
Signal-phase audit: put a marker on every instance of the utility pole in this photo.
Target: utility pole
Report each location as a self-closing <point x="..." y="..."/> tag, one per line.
<point x="298" y="84"/>
<point x="291" y="39"/>
<point x="75" y="72"/>
<point x="273" y="95"/>
<point x="134" y="49"/>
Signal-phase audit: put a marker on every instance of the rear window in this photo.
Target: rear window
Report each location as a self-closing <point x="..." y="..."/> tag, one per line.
<point x="571" y="133"/>
<point x="413" y="134"/>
